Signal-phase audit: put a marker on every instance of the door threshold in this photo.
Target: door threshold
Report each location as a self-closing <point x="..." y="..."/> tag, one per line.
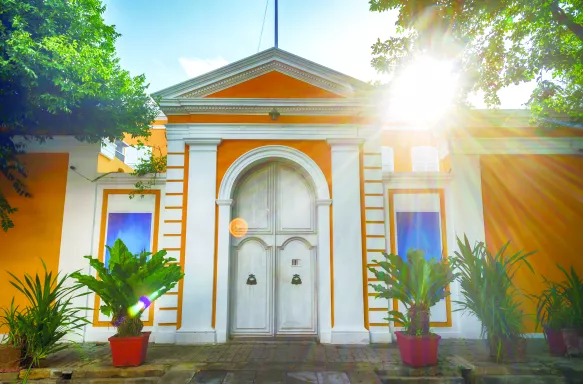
<point x="300" y="339"/>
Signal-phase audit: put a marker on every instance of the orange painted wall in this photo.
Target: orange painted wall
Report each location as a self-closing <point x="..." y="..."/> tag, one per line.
<point x="536" y="201"/>
<point x="274" y="85"/>
<point x="37" y="224"/>
<point x="156" y="140"/>
<point x="265" y="119"/>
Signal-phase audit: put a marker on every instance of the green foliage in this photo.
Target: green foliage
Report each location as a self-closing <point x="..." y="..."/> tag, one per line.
<point x="551" y="307"/>
<point x="59" y="75"/>
<point x="487" y="289"/>
<point x="417" y="283"/>
<point x="150" y="168"/>
<point x="495" y="43"/>
<point x="572" y="288"/>
<point x="126" y="279"/>
<point x="48" y="317"/>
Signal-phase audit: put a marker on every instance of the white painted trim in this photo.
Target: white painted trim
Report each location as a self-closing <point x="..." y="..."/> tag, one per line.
<point x="512" y="146"/>
<point x="238" y="168"/>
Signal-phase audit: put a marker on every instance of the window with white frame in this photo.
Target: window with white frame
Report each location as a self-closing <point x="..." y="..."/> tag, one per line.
<point x="387" y="159"/>
<point x="425" y="159"/>
<point x="135" y="156"/>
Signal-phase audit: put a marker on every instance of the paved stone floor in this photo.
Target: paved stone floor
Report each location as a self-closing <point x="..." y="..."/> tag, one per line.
<point x="304" y="362"/>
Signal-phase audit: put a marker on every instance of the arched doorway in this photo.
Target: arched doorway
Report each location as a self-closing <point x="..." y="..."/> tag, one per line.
<point x="273" y="264"/>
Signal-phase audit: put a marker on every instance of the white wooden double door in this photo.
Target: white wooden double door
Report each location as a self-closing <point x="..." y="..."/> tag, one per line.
<point x="273" y="274"/>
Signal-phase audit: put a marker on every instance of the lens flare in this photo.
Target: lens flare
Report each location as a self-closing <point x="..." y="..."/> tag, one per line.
<point x="238" y="227"/>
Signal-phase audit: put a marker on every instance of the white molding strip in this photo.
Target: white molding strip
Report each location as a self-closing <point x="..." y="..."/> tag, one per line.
<point x="514" y="146"/>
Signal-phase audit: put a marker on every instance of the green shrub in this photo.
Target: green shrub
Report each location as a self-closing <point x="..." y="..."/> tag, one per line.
<point x="129" y="284"/>
<point x="49" y="315"/>
<point x="572" y="289"/>
<point x="551" y="306"/>
<point x="417" y="283"/>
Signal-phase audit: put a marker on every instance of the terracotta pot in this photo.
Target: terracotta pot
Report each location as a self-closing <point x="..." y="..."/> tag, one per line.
<point x="508" y="350"/>
<point x="418" y="351"/>
<point x="555" y="341"/>
<point x="129" y="351"/>
<point x="571" y="338"/>
<point x="9" y="358"/>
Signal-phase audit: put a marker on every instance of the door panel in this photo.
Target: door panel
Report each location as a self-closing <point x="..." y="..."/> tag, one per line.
<point x="295" y="302"/>
<point x="254" y="201"/>
<point x="295" y="203"/>
<point x="252" y="309"/>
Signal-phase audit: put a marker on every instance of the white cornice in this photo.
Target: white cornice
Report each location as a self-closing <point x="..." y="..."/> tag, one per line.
<point x="267" y="131"/>
<point x="126" y="179"/>
<point x="250" y="67"/>
<point x="515" y="146"/>
<point x="344" y="107"/>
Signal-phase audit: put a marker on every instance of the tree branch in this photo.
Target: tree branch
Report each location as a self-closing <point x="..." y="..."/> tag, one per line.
<point x="562" y="18"/>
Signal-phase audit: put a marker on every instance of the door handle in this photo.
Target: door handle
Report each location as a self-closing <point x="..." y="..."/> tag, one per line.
<point x="296" y="280"/>
<point x="251" y="280"/>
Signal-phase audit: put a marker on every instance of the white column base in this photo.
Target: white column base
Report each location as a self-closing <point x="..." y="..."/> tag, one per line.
<point x="221" y="336"/>
<point x="195" y="337"/>
<point x="350" y="336"/>
<point x="326" y="337"/>
<point x="381" y="337"/>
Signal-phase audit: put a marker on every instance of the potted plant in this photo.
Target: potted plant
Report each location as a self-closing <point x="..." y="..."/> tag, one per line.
<point x="37" y="329"/>
<point x="418" y="284"/>
<point x="489" y="294"/>
<point x="552" y="314"/>
<point x="572" y="288"/>
<point x="127" y="286"/>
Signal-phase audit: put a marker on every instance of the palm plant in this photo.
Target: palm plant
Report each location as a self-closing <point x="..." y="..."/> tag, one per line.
<point x="417" y="283"/>
<point x="488" y="291"/>
<point x="551" y="307"/>
<point x="129" y="284"/>
<point x="50" y="314"/>
<point x="572" y="288"/>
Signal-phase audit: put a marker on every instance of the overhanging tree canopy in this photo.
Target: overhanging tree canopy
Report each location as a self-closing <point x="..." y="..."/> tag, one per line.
<point x="59" y="75"/>
<point x="496" y="43"/>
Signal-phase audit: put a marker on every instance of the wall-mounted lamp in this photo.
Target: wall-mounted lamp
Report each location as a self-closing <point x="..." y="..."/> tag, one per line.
<point x="274" y="114"/>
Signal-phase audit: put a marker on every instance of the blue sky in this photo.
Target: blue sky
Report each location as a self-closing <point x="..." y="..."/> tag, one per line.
<point x="174" y="40"/>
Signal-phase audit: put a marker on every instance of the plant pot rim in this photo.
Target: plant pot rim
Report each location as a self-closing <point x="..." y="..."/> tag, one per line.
<point x="116" y="337"/>
<point x="430" y="335"/>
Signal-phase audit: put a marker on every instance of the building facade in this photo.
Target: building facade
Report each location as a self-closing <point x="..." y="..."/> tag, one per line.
<point x="282" y="186"/>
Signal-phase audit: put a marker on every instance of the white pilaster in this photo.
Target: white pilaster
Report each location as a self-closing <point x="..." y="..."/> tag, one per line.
<point x="200" y="246"/>
<point x="324" y="281"/>
<point x="468" y="218"/>
<point x="347" y="244"/>
<point x="222" y="314"/>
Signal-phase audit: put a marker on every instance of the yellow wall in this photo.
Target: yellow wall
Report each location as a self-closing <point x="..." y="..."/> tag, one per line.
<point x="37" y="224"/>
<point x="536" y="201"/>
<point x="105" y="164"/>
<point x="156" y="140"/>
<point x="403" y="141"/>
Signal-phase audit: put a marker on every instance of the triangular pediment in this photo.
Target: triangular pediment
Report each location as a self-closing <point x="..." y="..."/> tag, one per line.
<point x="274" y="85"/>
<point x="273" y="73"/>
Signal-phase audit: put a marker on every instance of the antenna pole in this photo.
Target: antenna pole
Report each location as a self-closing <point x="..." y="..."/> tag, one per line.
<point x="276" y="24"/>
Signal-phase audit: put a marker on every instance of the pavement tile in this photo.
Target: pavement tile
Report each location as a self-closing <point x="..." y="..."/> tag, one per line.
<point x="363" y="377"/>
<point x="239" y="377"/>
<point x="301" y="377"/>
<point x="177" y="377"/>
<point x="332" y="378"/>
<point x="209" y="377"/>
<point x="270" y="377"/>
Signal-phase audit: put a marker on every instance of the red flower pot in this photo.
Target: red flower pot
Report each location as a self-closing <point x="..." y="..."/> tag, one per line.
<point x="418" y="351"/>
<point x="129" y="351"/>
<point x="9" y="358"/>
<point x="556" y="342"/>
<point x="571" y="337"/>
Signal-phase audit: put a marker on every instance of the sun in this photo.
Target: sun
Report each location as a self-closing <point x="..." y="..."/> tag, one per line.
<point x="422" y="92"/>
